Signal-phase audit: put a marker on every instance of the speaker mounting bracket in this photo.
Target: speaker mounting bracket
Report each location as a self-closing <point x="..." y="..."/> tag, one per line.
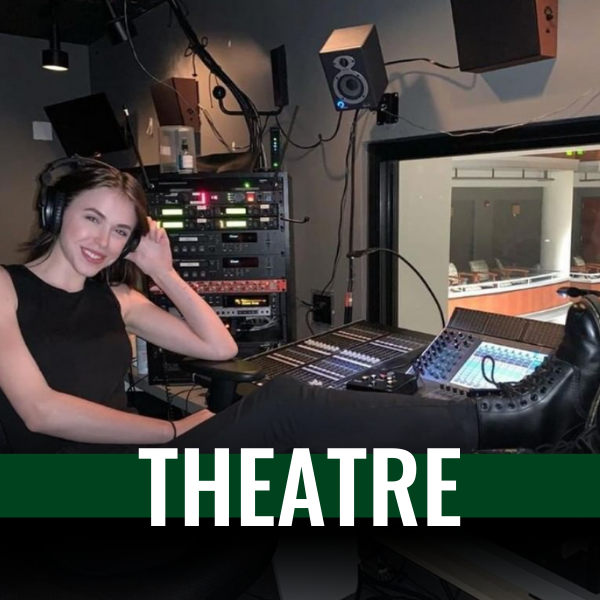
<point x="387" y="109"/>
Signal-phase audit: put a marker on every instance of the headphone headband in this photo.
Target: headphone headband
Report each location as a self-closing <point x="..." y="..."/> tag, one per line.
<point x="75" y="161"/>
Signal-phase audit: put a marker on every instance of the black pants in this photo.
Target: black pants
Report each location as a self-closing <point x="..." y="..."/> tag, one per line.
<point x="285" y="414"/>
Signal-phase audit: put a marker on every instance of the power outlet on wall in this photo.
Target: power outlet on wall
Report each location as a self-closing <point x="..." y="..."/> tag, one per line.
<point x="322" y="307"/>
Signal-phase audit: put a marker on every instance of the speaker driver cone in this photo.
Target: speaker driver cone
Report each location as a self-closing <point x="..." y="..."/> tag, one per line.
<point x="351" y="86"/>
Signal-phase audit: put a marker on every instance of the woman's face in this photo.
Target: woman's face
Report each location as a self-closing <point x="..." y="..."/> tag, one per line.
<point x="96" y="226"/>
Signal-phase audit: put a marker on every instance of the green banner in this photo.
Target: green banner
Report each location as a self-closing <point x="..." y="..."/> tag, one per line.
<point x="523" y="485"/>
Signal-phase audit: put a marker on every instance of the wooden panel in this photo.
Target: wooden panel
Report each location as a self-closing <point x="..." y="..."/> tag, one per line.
<point x="586" y="285"/>
<point x="513" y="303"/>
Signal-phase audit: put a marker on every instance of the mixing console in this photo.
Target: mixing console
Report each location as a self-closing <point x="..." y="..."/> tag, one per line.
<point x="366" y="356"/>
<point x="337" y="357"/>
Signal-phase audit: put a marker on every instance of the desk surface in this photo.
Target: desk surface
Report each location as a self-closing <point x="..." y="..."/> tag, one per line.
<point x="482" y="569"/>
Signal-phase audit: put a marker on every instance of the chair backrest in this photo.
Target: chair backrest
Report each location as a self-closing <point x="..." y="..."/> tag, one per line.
<point x="452" y="270"/>
<point x="578" y="261"/>
<point x="479" y="266"/>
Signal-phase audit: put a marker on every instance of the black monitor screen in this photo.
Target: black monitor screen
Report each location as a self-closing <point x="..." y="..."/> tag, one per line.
<point x="86" y="126"/>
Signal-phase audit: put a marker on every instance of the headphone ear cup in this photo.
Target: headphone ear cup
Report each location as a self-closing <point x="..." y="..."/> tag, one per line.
<point x="56" y="216"/>
<point x="42" y="207"/>
<point x="131" y="245"/>
<point x="50" y="209"/>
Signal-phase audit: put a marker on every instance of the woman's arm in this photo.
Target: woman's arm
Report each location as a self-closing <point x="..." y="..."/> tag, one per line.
<point x="47" y="411"/>
<point x="201" y="333"/>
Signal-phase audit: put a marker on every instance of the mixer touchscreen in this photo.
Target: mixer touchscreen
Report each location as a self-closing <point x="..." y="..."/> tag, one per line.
<point x="509" y="364"/>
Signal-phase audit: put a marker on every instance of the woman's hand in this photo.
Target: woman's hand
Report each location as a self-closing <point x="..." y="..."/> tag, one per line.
<point x="153" y="254"/>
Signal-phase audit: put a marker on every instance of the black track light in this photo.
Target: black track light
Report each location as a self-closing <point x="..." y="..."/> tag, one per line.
<point x="53" y="58"/>
<point x="118" y="29"/>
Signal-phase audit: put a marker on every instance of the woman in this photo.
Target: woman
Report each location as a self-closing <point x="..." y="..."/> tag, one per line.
<point x="65" y="350"/>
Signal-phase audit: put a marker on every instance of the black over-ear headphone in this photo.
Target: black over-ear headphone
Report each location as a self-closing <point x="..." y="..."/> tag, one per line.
<point x="51" y="202"/>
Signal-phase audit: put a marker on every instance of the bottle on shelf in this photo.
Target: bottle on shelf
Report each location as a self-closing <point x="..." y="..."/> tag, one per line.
<point x="185" y="160"/>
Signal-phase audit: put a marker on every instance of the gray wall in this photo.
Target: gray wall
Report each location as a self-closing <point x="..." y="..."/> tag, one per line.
<point x="462" y="233"/>
<point x="25" y="89"/>
<point x="241" y="32"/>
<point x="480" y="232"/>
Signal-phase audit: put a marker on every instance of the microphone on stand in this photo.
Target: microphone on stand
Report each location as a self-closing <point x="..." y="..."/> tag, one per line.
<point x="366" y="251"/>
<point x="574" y="292"/>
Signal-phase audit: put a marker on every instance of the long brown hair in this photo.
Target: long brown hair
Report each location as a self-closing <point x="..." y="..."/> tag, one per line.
<point x="82" y="179"/>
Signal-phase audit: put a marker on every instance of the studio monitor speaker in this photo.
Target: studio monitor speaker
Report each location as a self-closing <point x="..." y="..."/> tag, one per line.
<point x="354" y="67"/>
<point x="280" y="77"/>
<point x="177" y="102"/>
<point x="494" y="34"/>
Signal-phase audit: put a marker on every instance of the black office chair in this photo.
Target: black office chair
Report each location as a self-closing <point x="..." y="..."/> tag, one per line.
<point x="130" y="564"/>
<point x="222" y="379"/>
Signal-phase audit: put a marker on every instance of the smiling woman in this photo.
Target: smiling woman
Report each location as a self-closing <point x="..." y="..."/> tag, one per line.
<point x="96" y="227"/>
<point x="94" y="191"/>
<point x="65" y="315"/>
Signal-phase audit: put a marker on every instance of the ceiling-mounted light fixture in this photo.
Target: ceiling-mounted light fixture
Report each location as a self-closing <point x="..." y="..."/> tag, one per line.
<point x="53" y="58"/>
<point x="118" y="28"/>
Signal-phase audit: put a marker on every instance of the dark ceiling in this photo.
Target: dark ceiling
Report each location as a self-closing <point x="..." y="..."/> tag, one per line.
<point x="80" y="21"/>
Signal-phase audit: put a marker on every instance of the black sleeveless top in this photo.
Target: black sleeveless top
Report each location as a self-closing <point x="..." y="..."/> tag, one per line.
<point x="80" y="344"/>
